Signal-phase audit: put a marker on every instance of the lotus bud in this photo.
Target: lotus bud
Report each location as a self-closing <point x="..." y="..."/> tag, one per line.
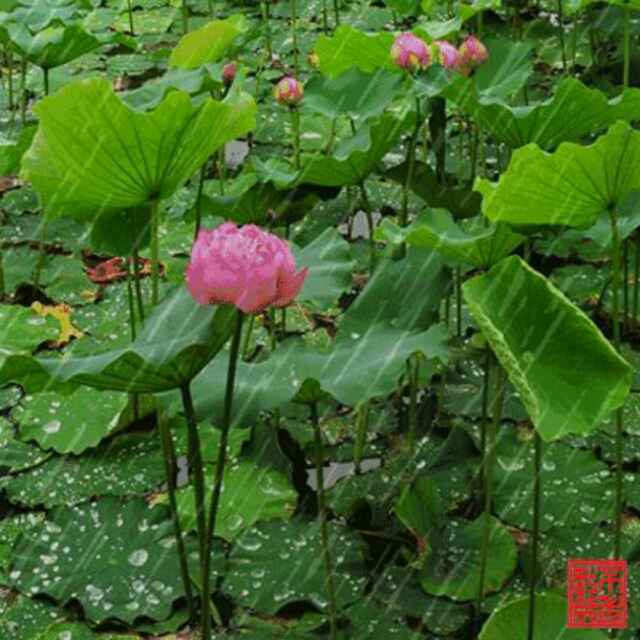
<point x="229" y="74"/>
<point x="473" y="53"/>
<point x="447" y="55"/>
<point x="289" y="91"/>
<point x="410" y="52"/>
<point x="314" y="60"/>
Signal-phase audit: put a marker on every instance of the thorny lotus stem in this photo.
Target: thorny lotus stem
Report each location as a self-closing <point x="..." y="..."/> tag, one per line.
<point x="488" y="478"/>
<point x="130" y="8"/>
<point x="295" y="128"/>
<point x="362" y="428"/>
<point x="413" y="374"/>
<point x="196" y="471"/>
<point x="247" y="337"/>
<point x="45" y="72"/>
<point x="294" y="34"/>
<point x="411" y="159"/>
<point x="264" y="6"/>
<point x="185" y="16"/>
<point x="198" y="224"/>
<point x="220" y="465"/>
<point x="132" y="312"/>
<point x="171" y="469"/>
<point x="537" y="455"/>
<point x="155" y="252"/>
<point x="615" y="317"/>
<point x="561" y="34"/>
<point x="322" y="520"/>
<point x="458" y="302"/>
<point x="137" y="284"/>
<point x="627" y="46"/>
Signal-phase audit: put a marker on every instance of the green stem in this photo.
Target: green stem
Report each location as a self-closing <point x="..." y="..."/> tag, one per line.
<point x="322" y="519"/>
<point x="185" y="17"/>
<point x="2" y="285"/>
<point x="636" y="280"/>
<point x="362" y="428"/>
<point x="438" y="131"/>
<point x="46" y="81"/>
<point x="155" y="252"/>
<point x="196" y="471"/>
<point x="625" y="284"/>
<point x="325" y="18"/>
<point x="43" y="253"/>
<point x="137" y="284"/>
<point x="336" y="11"/>
<point x="198" y="224"/>
<point x="370" y="224"/>
<point x="221" y="462"/>
<point x="615" y="258"/>
<point x="561" y="35"/>
<point x="413" y="372"/>
<point x="131" y="30"/>
<point x="171" y="467"/>
<point x="294" y="34"/>
<point x="537" y="455"/>
<point x="458" y="302"/>
<point x="295" y="128"/>
<point x="247" y="337"/>
<point x="411" y="160"/>
<point x="211" y="12"/>
<point x="9" y="61"/>
<point x="132" y="312"/>
<point x="267" y="28"/>
<point x="23" y="91"/>
<point x="488" y="479"/>
<point x="627" y="46"/>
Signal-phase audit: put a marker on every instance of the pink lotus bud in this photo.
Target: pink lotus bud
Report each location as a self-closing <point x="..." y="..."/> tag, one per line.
<point x="473" y="52"/>
<point x="410" y="52"/>
<point x="243" y="266"/>
<point x="229" y="74"/>
<point x="289" y="91"/>
<point x="447" y="55"/>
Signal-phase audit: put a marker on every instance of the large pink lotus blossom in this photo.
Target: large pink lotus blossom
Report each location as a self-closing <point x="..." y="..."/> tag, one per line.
<point x="473" y="52"/>
<point x="244" y="266"/>
<point x="289" y="91"/>
<point x="447" y="54"/>
<point x="410" y="52"/>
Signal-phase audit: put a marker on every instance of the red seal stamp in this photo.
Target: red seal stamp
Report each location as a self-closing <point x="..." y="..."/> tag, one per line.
<point x="597" y="594"/>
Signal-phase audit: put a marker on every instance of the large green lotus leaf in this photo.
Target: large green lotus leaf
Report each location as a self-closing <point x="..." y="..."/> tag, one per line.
<point x="177" y="341"/>
<point x="15" y="455"/>
<point x="11" y="151"/>
<point x="118" y="559"/>
<point x="512" y="621"/>
<point x="55" y="45"/>
<point x="354" y="93"/>
<point x="78" y="631"/>
<point x="330" y="265"/>
<point x="92" y="152"/>
<point x="130" y="465"/>
<point x="349" y="48"/>
<point x="572" y="186"/>
<point x="21" y="618"/>
<point x="462" y="201"/>
<point x="420" y="510"/>
<point x="566" y="473"/>
<point x="22" y="330"/>
<point x="354" y="159"/>
<point x="277" y="563"/>
<point x="250" y="494"/>
<point x="574" y="111"/>
<point x="568" y="375"/>
<point x="453" y="570"/>
<point x="71" y="423"/>
<point x="208" y="43"/>
<point x="39" y="14"/>
<point x="476" y="244"/>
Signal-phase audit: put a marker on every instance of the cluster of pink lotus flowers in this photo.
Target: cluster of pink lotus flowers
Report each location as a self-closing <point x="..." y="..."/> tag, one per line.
<point x="413" y="54"/>
<point x="243" y="266"/>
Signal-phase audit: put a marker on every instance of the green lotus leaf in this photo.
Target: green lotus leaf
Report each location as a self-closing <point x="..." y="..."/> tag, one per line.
<point x="572" y="186"/>
<point x="177" y="341"/>
<point x="574" y="111"/>
<point x="11" y="151"/>
<point x="453" y="569"/>
<point x="118" y="559"/>
<point x="92" y="152"/>
<point x="473" y="244"/>
<point x="349" y="47"/>
<point x="209" y="43"/>
<point x="568" y="375"/>
<point x="354" y="93"/>
<point x="512" y="621"/>
<point x="355" y="158"/>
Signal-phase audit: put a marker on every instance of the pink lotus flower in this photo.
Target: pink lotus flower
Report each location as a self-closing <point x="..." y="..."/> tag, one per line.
<point x="243" y="266"/>
<point x="448" y="56"/>
<point x="473" y="52"/>
<point x="289" y="91"/>
<point x="410" y="52"/>
<point x="229" y="74"/>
